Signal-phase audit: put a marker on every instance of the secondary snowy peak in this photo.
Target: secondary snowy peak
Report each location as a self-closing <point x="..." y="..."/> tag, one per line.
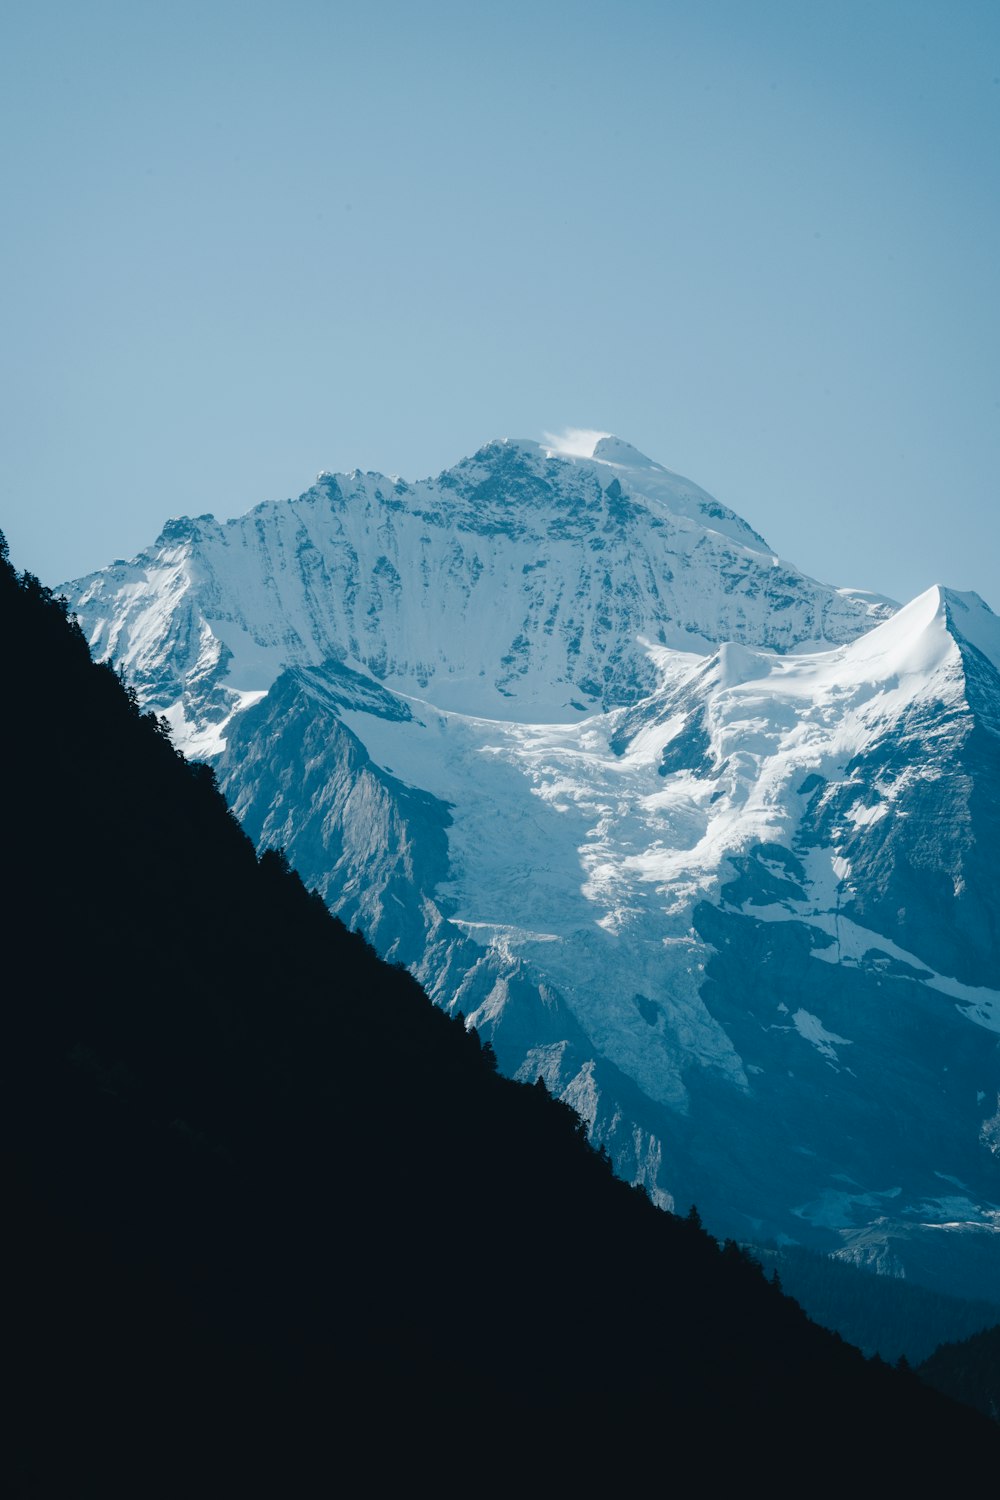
<point x="871" y="764"/>
<point x="752" y="727"/>
<point x="919" y="654"/>
<point x="521" y="584"/>
<point x="926" y="635"/>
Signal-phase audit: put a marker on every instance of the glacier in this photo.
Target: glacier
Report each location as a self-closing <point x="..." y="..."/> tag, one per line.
<point x="705" y="843"/>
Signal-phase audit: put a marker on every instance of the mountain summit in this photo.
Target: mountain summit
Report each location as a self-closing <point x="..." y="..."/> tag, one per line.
<point x="704" y="843"/>
<point x="521" y="584"/>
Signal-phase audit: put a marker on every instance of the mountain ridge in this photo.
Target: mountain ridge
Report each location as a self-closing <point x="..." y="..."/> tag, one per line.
<point x="438" y="588"/>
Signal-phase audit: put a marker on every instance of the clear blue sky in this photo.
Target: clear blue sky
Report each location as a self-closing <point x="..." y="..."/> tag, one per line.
<point x="760" y="239"/>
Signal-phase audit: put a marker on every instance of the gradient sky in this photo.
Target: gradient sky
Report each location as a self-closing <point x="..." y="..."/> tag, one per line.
<point x="759" y="239"/>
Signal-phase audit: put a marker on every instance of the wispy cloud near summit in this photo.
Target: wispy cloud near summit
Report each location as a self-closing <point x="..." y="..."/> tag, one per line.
<point x="577" y="442"/>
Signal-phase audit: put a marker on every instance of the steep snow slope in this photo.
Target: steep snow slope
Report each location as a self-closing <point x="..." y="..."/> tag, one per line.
<point x="708" y="845"/>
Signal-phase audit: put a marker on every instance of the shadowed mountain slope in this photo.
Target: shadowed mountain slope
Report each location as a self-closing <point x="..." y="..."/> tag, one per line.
<point x="969" y="1371"/>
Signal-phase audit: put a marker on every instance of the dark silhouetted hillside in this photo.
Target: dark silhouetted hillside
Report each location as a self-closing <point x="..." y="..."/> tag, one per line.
<point x="884" y="1315"/>
<point x="277" y="1224"/>
<point x="968" y="1371"/>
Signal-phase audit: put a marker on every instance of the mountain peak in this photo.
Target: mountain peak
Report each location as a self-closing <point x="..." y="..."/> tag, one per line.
<point x="604" y="447"/>
<point x="925" y="636"/>
<point x="522" y="583"/>
<point x="614" y="450"/>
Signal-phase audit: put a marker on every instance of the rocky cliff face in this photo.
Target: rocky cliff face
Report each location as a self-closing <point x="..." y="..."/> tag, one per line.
<point x="705" y="843"/>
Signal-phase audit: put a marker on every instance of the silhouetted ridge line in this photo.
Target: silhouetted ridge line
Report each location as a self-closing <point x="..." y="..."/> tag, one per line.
<point x="274" y="1216"/>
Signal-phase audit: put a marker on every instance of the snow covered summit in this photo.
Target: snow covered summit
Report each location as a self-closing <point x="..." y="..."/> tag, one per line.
<point x="521" y="584"/>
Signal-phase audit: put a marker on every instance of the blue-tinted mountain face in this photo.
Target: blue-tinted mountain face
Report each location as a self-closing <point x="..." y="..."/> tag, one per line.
<point x="704" y="843"/>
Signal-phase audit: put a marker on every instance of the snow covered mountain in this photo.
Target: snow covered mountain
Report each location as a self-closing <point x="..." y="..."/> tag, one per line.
<point x="521" y="584"/>
<point x="707" y="844"/>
